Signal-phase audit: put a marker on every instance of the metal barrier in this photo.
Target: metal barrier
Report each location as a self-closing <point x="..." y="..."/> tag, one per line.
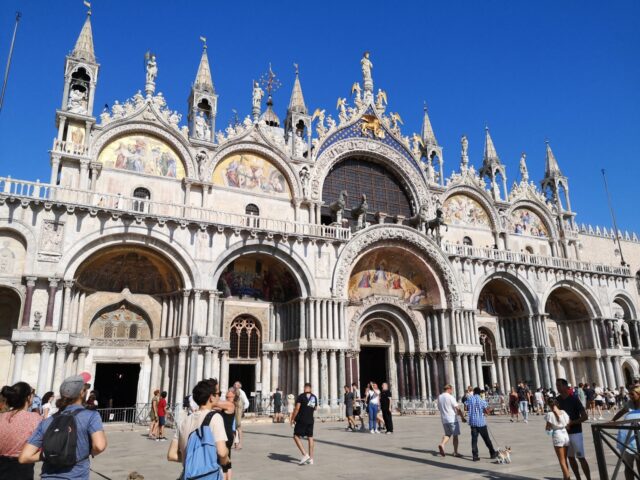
<point x="140" y="414"/>
<point x="626" y="454"/>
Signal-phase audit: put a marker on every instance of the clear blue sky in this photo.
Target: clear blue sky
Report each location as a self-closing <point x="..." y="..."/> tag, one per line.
<point x="568" y="71"/>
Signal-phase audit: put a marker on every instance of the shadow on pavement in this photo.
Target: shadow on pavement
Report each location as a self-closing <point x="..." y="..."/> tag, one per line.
<point x="282" y="458"/>
<point x="482" y="473"/>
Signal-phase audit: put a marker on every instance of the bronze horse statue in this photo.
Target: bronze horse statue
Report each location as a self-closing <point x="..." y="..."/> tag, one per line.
<point x="433" y="226"/>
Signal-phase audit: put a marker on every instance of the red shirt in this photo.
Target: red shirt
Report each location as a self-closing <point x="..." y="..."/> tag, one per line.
<point x="162" y="407"/>
<point x="15" y="429"/>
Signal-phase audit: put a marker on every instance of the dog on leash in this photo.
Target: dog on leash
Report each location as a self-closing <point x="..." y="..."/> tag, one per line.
<point x="504" y="455"/>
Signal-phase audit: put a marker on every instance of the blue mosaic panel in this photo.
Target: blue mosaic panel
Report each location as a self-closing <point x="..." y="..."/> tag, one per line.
<point x="353" y="131"/>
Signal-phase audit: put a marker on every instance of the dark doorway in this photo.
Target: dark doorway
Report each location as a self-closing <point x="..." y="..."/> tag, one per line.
<point x="486" y="375"/>
<point x="245" y="374"/>
<point x="373" y="366"/>
<point x="116" y="384"/>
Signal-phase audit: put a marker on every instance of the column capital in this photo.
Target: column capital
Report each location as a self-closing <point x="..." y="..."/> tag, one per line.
<point x="194" y="348"/>
<point x="197" y="292"/>
<point x="31" y="281"/>
<point x="84" y="350"/>
<point x="214" y="293"/>
<point x="186" y="292"/>
<point x="53" y="282"/>
<point x="155" y="351"/>
<point x="165" y="350"/>
<point x="422" y="355"/>
<point x="46" y="346"/>
<point x="208" y="350"/>
<point x="61" y="346"/>
<point x="68" y="283"/>
<point x="225" y="353"/>
<point x="275" y="354"/>
<point x="20" y="345"/>
<point x="182" y="349"/>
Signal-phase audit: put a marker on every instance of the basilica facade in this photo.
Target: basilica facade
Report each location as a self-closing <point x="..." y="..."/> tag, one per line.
<point x="331" y="251"/>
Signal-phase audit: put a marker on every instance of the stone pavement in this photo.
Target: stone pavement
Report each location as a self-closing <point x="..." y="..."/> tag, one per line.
<point x="269" y="453"/>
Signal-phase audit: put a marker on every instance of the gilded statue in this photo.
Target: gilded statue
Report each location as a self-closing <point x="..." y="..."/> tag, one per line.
<point x="371" y="123"/>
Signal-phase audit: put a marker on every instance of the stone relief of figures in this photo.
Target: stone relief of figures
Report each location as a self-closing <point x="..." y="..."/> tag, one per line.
<point x="7" y="259"/>
<point x="51" y="237"/>
<point x="201" y="158"/>
<point x="77" y="102"/>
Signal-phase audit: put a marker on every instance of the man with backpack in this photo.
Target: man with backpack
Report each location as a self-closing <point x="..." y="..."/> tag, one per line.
<point x="65" y="440"/>
<point x="302" y="417"/>
<point x="201" y="441"/>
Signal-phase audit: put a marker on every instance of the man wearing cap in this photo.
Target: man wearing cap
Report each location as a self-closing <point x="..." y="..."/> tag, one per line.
<point x="88" y="423"/>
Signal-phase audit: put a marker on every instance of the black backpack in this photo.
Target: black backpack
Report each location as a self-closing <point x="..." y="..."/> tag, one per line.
<point x="61" y="440"/>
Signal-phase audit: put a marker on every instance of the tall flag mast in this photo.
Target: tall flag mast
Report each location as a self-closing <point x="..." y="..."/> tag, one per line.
<point x="613" y="217"/>
<point x="6" y="70"/>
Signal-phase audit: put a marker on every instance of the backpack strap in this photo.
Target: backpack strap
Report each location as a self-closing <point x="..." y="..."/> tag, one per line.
<point x="207" y="419"/>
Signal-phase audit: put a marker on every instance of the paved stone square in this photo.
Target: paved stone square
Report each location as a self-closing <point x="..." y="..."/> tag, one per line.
<point x="411" y="453"/>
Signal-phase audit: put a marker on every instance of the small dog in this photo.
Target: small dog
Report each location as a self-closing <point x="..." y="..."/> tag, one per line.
<point x="504" y="455"/>
<point x="135" y="476"/>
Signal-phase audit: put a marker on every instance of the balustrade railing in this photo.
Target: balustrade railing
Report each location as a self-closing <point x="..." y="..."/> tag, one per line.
<point x="70" y="147"/>
<point x="532" y="259"/>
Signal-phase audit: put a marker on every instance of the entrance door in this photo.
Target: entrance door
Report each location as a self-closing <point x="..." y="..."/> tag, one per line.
<point x="488" y="379"/>
<point x="245" y="374"/>
<point x="373" y="366"/>
<point x="116" y="384"/>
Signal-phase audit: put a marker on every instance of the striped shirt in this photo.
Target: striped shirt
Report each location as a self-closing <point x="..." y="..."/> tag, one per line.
<point x="476" y="406"/>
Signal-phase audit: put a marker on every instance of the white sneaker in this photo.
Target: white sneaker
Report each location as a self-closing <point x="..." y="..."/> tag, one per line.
<point x="310" y="462"/>
<point x="600" y="418"/>
<point x="371" y="431"/>
<point x="526" y="421"/>
<point x="304" y="460"/>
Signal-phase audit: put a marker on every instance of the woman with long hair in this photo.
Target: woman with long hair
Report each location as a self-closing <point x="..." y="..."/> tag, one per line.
<point x="513" y="404"/>
<point x="557" y="421"/>
<point x="373" y="396"/>
<point x="16" y="426"/>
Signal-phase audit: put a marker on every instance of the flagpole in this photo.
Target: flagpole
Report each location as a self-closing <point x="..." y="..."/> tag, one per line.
<point x="613" y="217"/>
<point x="6" y="71"/>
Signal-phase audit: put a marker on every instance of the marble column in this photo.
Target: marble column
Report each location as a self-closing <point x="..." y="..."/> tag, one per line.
<point x="506" y="387"/>
<point x="43" y="370"/>
<point x="500" y="377"/>
<point x="429" y="369"/>
<point x="211" y="314"/>
<point x="473" y="374"/>
<point x="185" y="313"/>
<point x="617" y="372"/>
<point x="460" y="386"/>
<point x="423" y="377"/>
<point x="275" y="368"/>
<point x="196" y="327"/>
<point x="68" y="285"/>
<point x="215" y="364"/>
<point x="412" y="377"/>
<point x="552" y="372"/>
<point x="401" y="382"/>
<point x="333" y="379"/>
<point x="546" y="382"/>
<point x="194" y="372"/>
<point x="26" y="311"/>
<point x="572" y="373"/>
<point x="82" y="357"/>
<point x="166" y="370"/>
<point x="341" y="371"/>
<point x="79" y="325"/>
<point x="224" y="370"/>
<point x="208" y="352"/>
<point x="180" y="373"/>
<point x="266" y="374"/>
<point x="301" y="379"/>
<point x="155" y="369"/>
<point x="465" y="371"/>
<point x="481" y="380"/>
<point x="53" y="287"/>
<point x="536" y="371"/>
<point x="18" y="360"/>
<point x="61" y="354"/>
<point x="324" y="378"/>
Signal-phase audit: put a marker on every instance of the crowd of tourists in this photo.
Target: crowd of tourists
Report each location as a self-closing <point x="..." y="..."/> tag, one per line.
<point x="63" y="429"/>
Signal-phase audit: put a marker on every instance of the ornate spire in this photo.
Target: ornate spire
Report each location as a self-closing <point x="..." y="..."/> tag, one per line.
<point x="296" y="103"/>
<point x="552" y="169"/>
<point x="428" y="137"/>
<point x="490" y="154"/>
<point x="203" y="77"/>
<point x="84" y="45"/>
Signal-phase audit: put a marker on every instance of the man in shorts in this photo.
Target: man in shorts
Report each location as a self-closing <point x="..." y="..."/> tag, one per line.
<point x="276" y="400"/>
<point x="577" y="415"/>
<point x="449" y="412"/>
<point x="162" y="417"/>
<point x="302" y="417"/>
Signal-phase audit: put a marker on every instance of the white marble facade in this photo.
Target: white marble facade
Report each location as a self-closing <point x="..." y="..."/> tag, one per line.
<point x="154" y="241"/>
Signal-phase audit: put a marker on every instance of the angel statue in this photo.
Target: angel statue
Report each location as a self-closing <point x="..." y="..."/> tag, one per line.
<point x="396" y="121"/>
<point x="320" y="128"/>
<point x="355" y="88"/>
<point x="417" y="145"/>
<point x="342" y="107"/>
<point x="381" y="99"/>
<point x="331" y="123"/>
<point x="524" y="173"/>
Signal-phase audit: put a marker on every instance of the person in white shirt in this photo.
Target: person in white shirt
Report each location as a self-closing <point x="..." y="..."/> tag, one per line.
<point x="449" y="413"/>
<point x="557" y="421"/>
<point x="539" y="398"/>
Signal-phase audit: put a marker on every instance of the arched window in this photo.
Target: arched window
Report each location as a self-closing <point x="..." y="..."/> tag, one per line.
<point x="357" y="176"/>
<point x="244" y="338"/>
<point x="467" y="241"/>
<point x="133" y="331"/>
<point x="108" y="330"/>
<point x="529" y="249"/>
<point x="253" y="211"/>
<point x="638" y="281"/>
<point x="487" y="347"/>
<point x="141" y="194"/>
